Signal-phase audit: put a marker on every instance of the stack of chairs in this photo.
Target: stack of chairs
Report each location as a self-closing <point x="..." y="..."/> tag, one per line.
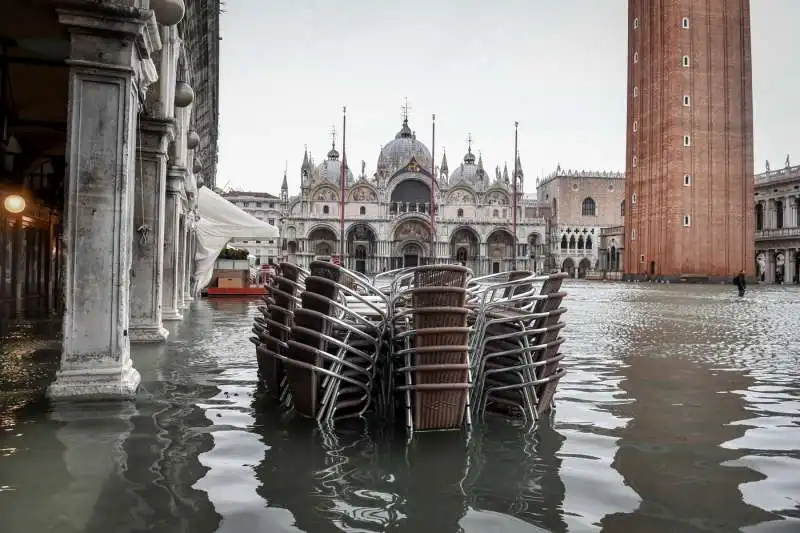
<point x="430" y="360"/>
<point x="515" y="348"/>
<point x="272" y="328"/>
<point x="333" y="347"/>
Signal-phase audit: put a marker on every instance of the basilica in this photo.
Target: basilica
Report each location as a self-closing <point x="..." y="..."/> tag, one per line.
<point x="389" y="221"/>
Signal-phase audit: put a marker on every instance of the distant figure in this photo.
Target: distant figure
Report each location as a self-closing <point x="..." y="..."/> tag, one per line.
<point x="740" y="282"/>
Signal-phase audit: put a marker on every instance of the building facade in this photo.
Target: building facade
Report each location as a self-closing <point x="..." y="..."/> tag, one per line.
<point x="267" y="208"/>
<point x="777" y="216"/>
<point x="689" y="187"/>
<point x="387" y="216"/>
<point x="111" y="130"/>
<point x="582" y="204"/>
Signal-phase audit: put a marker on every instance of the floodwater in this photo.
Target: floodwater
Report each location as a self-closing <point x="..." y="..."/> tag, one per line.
<point x="680" y="413"/>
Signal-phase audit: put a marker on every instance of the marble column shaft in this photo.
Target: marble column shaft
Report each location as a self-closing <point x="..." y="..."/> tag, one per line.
<point x="101" y="148"/>
<point x="181" y="281"/>
<point x="148" y="256"/>
<point x="172" y="212"/>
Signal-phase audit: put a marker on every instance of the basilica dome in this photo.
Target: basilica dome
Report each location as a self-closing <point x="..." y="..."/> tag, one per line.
<point x="400" y="150"/>
<point x="469" y="173"/>
<point x="330" y="170"/>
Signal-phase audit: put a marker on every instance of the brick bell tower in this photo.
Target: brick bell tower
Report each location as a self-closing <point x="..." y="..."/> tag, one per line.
<point x="688" y="208"/>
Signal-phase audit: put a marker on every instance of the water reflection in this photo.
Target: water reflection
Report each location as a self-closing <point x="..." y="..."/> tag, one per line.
<point x="680" y="412"/>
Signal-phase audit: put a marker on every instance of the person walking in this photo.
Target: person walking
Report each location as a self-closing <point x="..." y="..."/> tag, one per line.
<point x="741" y="283"/>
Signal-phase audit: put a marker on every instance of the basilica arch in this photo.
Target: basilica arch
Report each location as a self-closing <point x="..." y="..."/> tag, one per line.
<point x="322" y="241"/>
<point x="361" y="248"/>
<point x="500" y="250"/>
<point x="465" y="245"/>
<point x="411" y="242"/>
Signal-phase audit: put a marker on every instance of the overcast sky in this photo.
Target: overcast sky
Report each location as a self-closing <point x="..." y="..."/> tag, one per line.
<point x="556" y="66"/>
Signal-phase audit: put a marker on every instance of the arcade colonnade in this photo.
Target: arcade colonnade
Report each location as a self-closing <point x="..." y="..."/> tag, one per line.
<point x="131" y="184"/>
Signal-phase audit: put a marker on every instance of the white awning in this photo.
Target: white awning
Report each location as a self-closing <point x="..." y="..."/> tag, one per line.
<point x="220" y="221"/>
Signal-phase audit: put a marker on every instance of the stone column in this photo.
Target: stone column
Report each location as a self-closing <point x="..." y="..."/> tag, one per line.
<point x="148" y="248"/>
<point x="107" y="51"/>
<point x="188" y="296"/>
<point x="181" y="280"/>
<point x="172" y="211"/>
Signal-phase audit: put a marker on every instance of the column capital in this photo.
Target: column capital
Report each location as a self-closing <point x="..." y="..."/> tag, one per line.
<point x="155" y="134"/>
<point x="176" y="176"/>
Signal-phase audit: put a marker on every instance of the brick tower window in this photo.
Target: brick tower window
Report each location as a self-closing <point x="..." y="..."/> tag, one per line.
<point x="687" y="180"/>
<point x="636" y="23"/>
<point x="633" y="199"/>
<point x="633" y="234"/>
<point x="687" y="221"/>
<point x="635" y="125"/>
<point x="635" y="91"/>
<point x="685" y="23"/>
<point x="589" y="208"/>
<point x="686" y="61"/>
<point x="687" y="140"/>
<point x="634" y="162"/>
<point x="636" y="57"/>
<point x="687" y="100"/>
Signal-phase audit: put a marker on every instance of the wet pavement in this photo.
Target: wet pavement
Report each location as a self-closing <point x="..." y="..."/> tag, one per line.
<point x="680" y="413"/>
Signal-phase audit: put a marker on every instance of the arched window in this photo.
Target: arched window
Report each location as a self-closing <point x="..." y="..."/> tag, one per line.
<point x="460" y="213"/>
<point x="496" y="213"/>
<point x="572" y="242"/>
<point x="580" y="242"/>
<point x="589" y="208"/>
<point x="588" y="244"/>
<point x="362" y="210"/>
<point x="564" y="242"/>
<point x="326" y="210"/>
<point x="622" y="208"/>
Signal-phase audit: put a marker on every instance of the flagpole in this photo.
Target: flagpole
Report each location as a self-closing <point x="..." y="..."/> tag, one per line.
<point x="432" y="207"/>
<point x="514" y="208"/>
<point x="342" y="186"/>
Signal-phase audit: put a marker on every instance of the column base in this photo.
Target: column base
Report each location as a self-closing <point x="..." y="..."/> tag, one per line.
<point x="95" y="384"/>
<point x="170" y="316"/>
<point x="150" y="333"/>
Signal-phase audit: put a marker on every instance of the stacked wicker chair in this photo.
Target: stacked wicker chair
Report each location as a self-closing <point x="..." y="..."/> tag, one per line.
<point x="431" y="342"/>
<point x="273" y="328"/>
<point x="516" y="346"/>
<point x="332" y="350"/>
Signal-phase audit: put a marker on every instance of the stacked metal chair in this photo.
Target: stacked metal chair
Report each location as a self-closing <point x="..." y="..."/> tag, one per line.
<point x="273" y="328"/>
<point x="332" y="350"/>
<point x="430" y="360"/>
<point x="515" y="348"/>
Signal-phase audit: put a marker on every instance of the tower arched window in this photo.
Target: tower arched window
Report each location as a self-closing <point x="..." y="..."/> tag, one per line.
<point x="685" y="61"/>
<point x="636" y="57"/>
<point x="635" y="91"/>
<point x="589" y="207"/>
<point x="362" y="210"/>
<point x="326" y="210"/>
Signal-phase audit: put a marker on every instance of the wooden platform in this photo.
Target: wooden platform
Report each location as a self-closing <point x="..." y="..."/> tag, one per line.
<point x="217" y="292"/>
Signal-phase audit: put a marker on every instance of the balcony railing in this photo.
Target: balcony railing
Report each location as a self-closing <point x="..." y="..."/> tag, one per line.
<point x="777" y="233"/>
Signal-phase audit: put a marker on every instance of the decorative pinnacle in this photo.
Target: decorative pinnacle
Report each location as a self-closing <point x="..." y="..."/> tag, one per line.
<point x="405" y="108"/>
<point x="333" y="136"/>
<point x="469" y="143"/>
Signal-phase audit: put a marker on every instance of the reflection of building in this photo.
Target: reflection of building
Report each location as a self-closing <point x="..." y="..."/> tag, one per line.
<point x="582" y="204"/>
<point x="689" y="192"/>
<point x="263" y="206"/>
<point x="777" y="213"/>
<point x="387" y="216"/>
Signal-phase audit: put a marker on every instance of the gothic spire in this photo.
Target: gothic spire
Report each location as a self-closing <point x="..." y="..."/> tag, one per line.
<point x="443" y="166"/>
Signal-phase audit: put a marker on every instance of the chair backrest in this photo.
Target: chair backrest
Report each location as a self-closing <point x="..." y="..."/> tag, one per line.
<point x="441" y="276"/>
<point x="324" y="269"/>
